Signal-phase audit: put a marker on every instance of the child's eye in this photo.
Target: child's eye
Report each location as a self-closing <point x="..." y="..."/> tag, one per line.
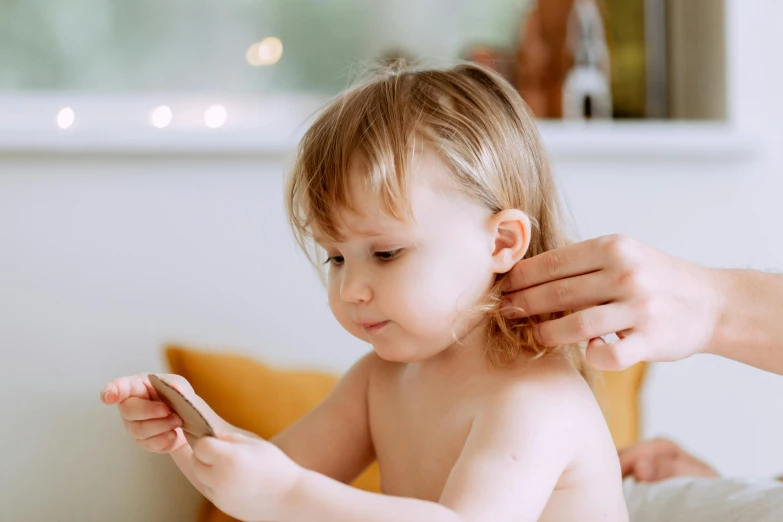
<point x="388" y="255"/>
<point x="335" y="260"/>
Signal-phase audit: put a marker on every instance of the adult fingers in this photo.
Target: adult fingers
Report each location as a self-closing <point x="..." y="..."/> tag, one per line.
<point x="573" y="260"/>
<point x="567" y="261"/>
<point x="562" y="295"/>
<point x="586" y="324"/>
<point x="619" y="355"/>
<point x="645" y="451"/>
<point x="667" y="467"/>
<point x="685" y="465"/>
<point x="598" y="341"/>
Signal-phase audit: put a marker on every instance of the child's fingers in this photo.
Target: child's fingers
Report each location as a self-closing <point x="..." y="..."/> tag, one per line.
<point x="209" y="450"/>
<point x="135" y="409"/>
<point x="146" y="429"/>
<point x="161" y="443"/>
<point x="177" y="382"/>
<point x="203" y="472"/>
<point x="123" y="388"/>
<point x="191" y="439"/>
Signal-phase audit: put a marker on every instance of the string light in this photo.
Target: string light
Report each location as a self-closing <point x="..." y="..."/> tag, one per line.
<point x="161" y="117"/>
<point x="266" y="52"/>
<point x="215" y="116"/>
<point x="65" y="118"/>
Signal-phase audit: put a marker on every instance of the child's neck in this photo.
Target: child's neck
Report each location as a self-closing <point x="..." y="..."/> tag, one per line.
<point x="468" y="354"/>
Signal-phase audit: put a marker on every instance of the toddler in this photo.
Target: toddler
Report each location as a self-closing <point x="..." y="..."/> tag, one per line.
<point x="418" y="190"/>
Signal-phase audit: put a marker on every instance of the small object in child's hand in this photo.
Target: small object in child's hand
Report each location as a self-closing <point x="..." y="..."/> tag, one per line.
<point x="194" y="423"/>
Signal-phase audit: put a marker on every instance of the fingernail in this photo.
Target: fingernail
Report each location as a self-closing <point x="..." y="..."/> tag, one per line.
<point x="176" y="421"/>
<point x="171" y="435"/>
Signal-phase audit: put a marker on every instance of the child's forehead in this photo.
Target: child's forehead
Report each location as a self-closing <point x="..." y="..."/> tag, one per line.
<point x="361" y="222"/>
<point x="366" y="207"/>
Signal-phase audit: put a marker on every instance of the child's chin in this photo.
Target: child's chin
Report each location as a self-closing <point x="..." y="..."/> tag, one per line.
<point x="398" y="354"/>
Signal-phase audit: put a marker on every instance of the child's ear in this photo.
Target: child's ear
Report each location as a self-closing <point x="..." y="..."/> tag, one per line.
<point x="511" y="231"/>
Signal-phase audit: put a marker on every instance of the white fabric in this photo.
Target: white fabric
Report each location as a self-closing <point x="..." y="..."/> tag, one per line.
<point x="705" y="500"/>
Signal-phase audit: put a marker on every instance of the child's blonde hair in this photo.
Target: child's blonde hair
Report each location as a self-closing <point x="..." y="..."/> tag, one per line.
<point x="481" y="130"/>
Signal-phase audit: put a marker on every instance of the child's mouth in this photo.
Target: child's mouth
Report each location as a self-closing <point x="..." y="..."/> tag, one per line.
<point x="372" y="328"/>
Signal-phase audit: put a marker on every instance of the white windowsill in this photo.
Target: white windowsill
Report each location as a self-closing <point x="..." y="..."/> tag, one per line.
<point x="107" y="125"/>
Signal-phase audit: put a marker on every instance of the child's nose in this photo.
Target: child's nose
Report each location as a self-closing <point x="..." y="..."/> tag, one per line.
<point x="354" y="287"/>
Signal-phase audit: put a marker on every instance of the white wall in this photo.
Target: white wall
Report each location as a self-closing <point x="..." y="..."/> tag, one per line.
<point x="104" y="258"/>
<point x="102" y="261"/>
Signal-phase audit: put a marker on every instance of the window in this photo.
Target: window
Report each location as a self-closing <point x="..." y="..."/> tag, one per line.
<point x="200" y="45"/>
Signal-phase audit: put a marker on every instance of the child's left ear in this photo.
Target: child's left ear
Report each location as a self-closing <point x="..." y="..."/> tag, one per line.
<point x="511" y="231"/>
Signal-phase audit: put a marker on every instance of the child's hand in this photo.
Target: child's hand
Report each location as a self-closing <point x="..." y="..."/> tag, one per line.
<point x="245" y="477"/>
<point x="148" y="420"/>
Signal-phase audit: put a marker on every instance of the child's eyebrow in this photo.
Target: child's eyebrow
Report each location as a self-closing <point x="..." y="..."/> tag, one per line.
<point x="369" y="234"/>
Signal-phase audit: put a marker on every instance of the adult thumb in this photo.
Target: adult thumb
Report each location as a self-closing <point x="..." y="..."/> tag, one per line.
<point x="615" y="356"/>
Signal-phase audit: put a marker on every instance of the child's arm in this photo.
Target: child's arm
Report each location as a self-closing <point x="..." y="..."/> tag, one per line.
<point x="334" y="438"/>
<point x="516" y="450"/>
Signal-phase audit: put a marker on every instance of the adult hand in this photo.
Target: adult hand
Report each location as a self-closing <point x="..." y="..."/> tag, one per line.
<point x="661" y="459"/>
<point x="661" y="308"/>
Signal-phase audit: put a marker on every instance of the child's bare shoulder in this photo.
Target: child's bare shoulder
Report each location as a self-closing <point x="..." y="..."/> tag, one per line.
<point x="546" y="387"/>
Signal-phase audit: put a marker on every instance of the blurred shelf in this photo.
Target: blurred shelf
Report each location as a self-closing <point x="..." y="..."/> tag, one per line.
<point x="271" y="128"/>
<point x="660" y="140"/>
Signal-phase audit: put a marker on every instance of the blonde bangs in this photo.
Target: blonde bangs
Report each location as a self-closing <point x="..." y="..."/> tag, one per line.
<point x="366" y="135"/>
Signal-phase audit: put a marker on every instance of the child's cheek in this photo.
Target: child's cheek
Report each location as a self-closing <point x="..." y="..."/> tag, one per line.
<point x="425" y="295"/>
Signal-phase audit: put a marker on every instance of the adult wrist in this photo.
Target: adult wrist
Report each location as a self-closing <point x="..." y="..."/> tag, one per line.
<point x="722" y="285"/>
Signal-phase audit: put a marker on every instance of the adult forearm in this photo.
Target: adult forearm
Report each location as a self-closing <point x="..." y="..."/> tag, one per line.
<point x="750" y="329"/>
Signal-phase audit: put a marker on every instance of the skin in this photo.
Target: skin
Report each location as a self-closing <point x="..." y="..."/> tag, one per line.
<point x="661" y="459"/>
<point x="456" y="438"/>
<point x="662" y="308"/>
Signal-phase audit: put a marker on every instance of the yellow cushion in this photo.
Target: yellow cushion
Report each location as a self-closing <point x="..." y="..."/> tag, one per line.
<point x="261" y="399"/>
